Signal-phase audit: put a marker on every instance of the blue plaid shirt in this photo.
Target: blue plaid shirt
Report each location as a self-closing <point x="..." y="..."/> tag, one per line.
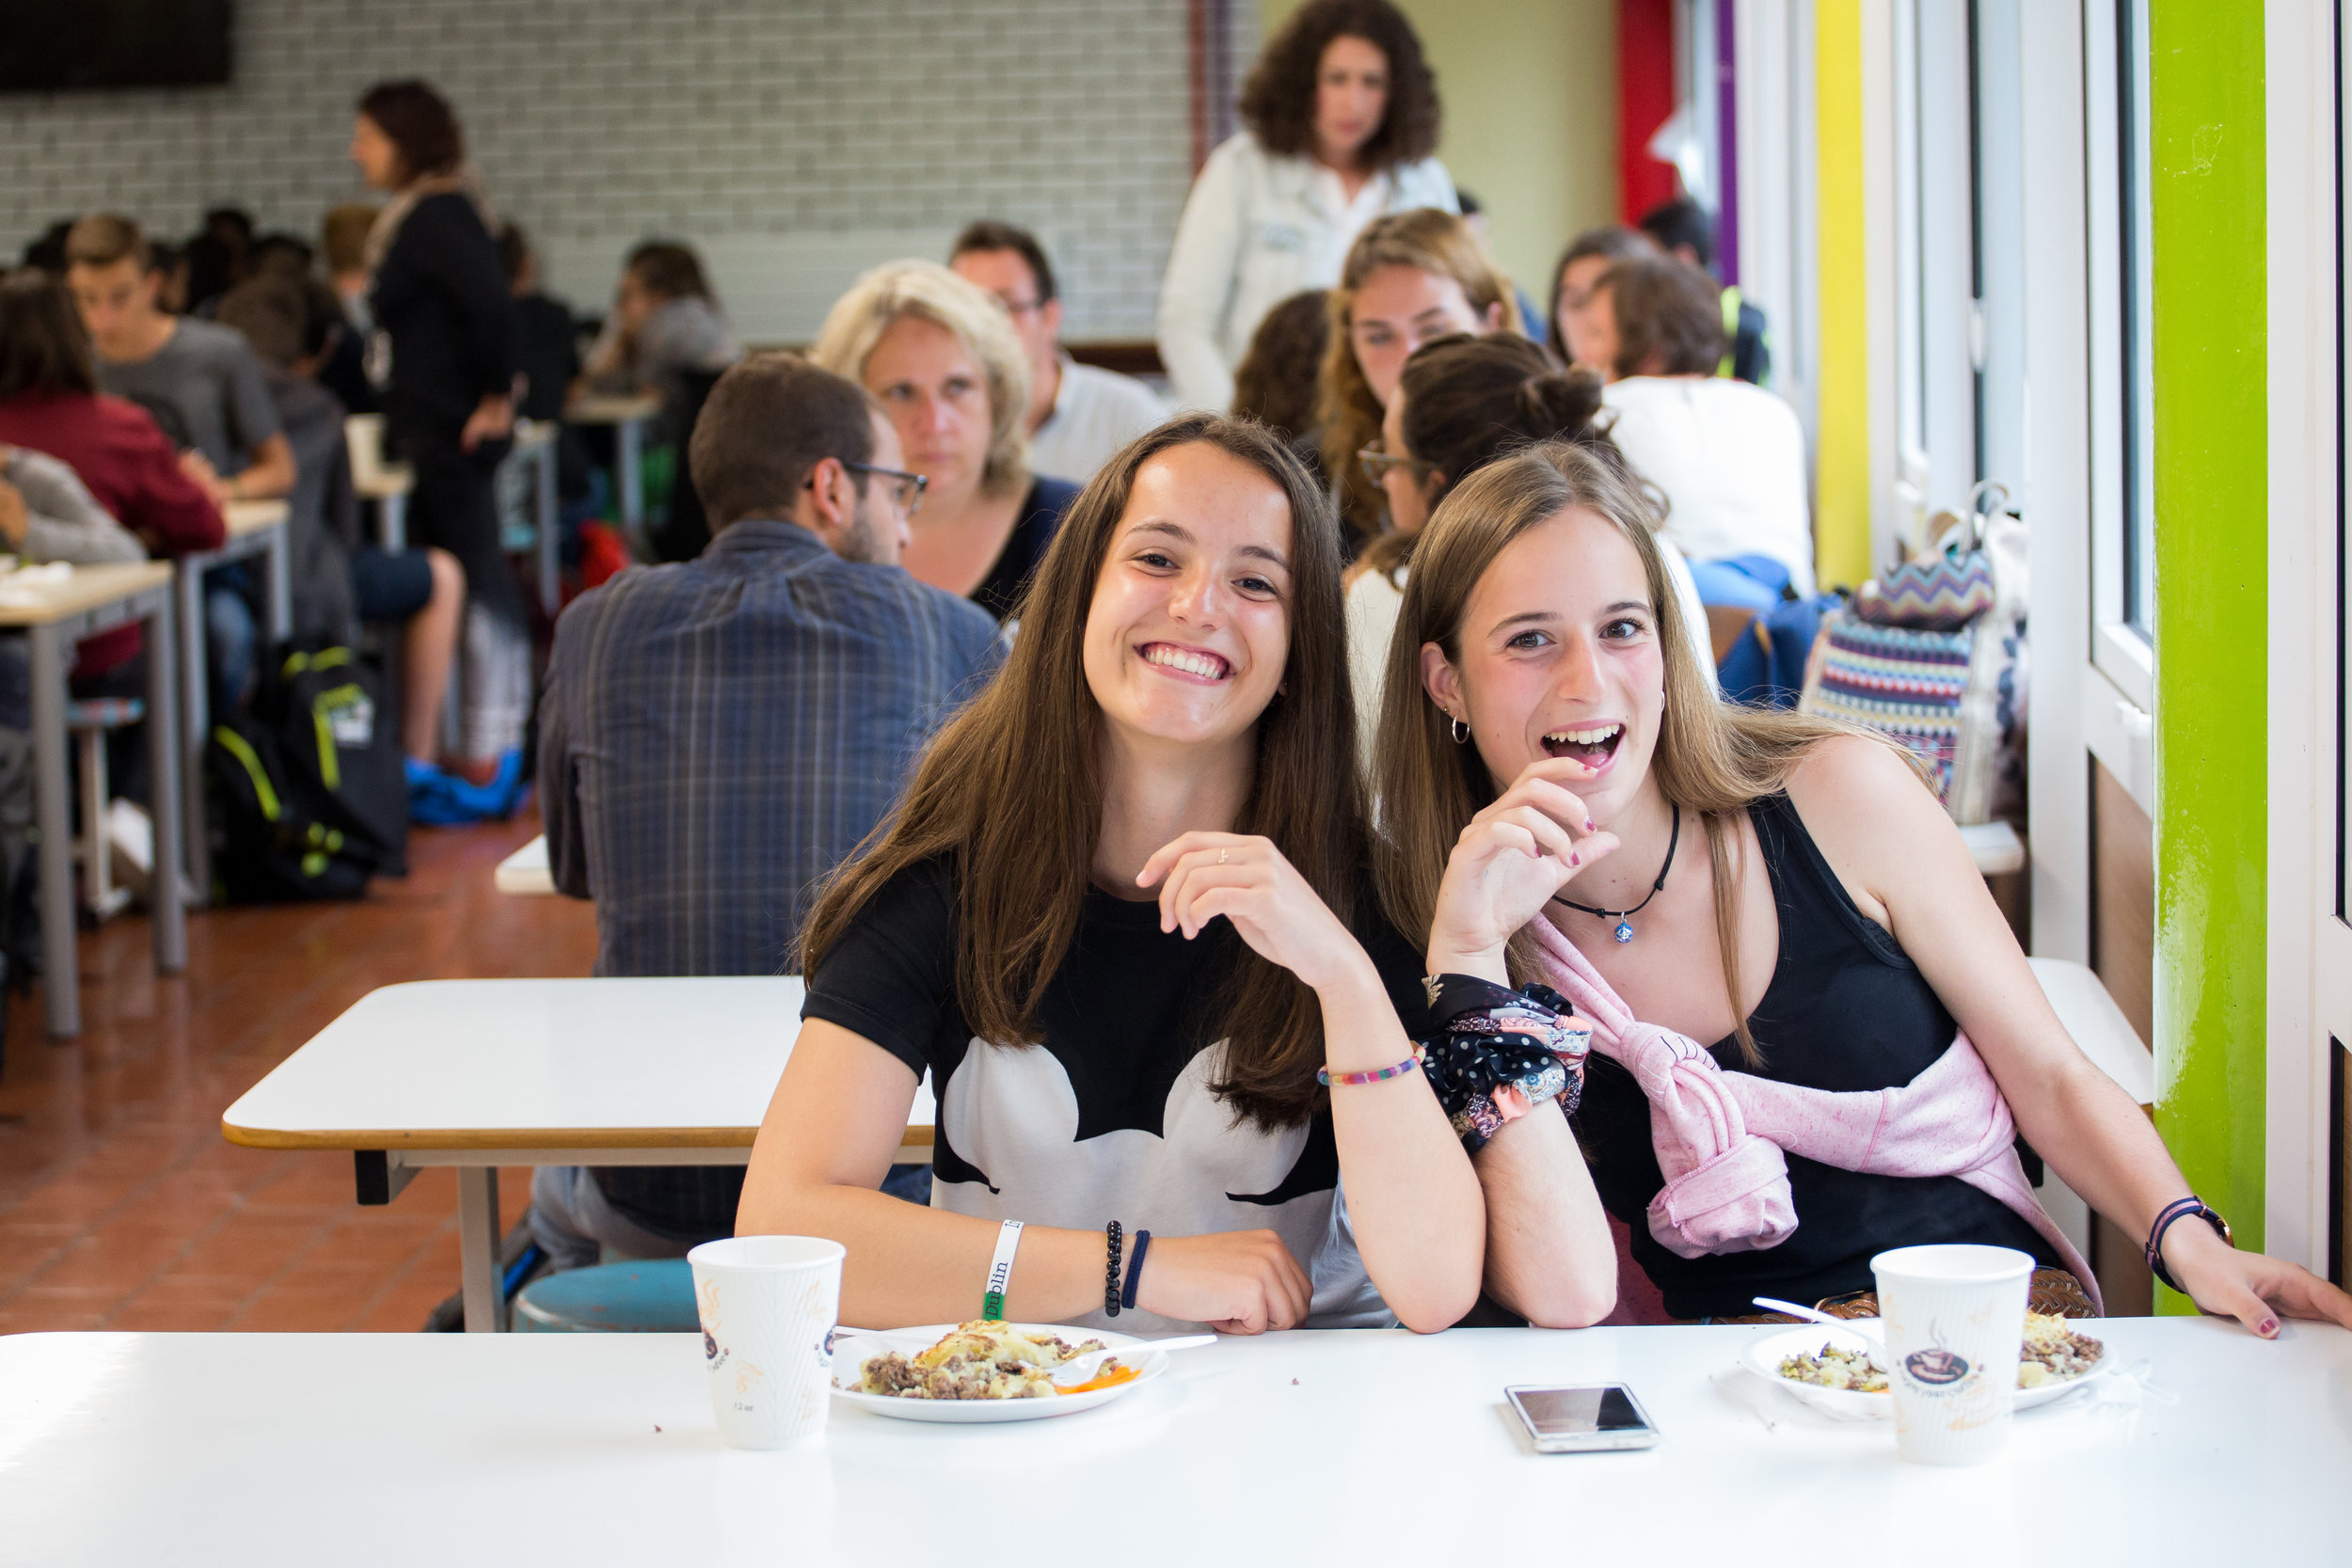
<point x="717" y="736"/>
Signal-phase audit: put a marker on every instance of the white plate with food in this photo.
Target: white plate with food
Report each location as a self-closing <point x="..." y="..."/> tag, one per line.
<point x="985" y="1372"/>
<point x="1841" y="1369"/>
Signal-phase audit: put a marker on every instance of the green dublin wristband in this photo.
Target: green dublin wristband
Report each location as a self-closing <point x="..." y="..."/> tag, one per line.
<point x="1000" y="1272"/>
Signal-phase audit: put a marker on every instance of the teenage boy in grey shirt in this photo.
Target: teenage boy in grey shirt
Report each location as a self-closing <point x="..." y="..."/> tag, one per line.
<point x="201" y="376"/>
<point x="204" y="387"/>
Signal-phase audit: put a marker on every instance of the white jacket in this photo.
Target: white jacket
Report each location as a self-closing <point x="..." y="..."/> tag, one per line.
<point x="1730" y="458"/>
<point x="1257" y="230"/>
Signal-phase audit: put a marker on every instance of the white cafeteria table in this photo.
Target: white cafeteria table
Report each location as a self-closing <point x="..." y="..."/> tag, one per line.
<point x="627" y="414"/>
<point x="483" y="1074"/>
<point x="526" y="871"/>
<point x="1364" y="1449"/>
<point x="54" y="618"/>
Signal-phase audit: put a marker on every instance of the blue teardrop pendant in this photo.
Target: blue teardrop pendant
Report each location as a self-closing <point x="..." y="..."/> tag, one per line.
<point x="1625" y="930"/>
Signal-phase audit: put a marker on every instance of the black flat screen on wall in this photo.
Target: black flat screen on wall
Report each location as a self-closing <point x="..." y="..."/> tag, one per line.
<point x="75" y="45"/>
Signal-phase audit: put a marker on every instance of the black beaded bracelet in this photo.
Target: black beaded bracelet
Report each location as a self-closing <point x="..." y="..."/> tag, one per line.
<point x="1111" y="1270"/>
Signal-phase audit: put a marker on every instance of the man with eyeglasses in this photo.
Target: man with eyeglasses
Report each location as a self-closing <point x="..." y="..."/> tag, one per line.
<point x="718" y="735"/>
<point x="1079" y="415"/>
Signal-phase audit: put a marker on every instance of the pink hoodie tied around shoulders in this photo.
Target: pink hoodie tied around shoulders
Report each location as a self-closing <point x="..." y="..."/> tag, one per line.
<point x="1721" y="1136"/>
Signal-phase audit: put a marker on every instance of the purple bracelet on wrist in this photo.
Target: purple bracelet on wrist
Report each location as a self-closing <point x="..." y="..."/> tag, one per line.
<point x="2180" y="1209"/>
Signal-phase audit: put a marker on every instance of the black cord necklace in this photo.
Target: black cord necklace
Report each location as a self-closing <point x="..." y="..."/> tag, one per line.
<point x="1625" y="922"/>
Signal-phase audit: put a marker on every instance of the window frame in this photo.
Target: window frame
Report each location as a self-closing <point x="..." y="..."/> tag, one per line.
<point x="2123" y="511"/>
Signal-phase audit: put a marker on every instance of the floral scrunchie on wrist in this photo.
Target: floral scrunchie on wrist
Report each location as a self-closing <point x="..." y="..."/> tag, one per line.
<point x="1497" y="1053"/>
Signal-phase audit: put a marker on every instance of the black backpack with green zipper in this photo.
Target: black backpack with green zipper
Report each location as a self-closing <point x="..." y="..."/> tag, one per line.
<point x="313" y="798"/>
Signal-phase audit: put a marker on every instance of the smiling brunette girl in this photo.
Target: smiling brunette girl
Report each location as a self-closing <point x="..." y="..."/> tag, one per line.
<point x="1121" y="921"/>
<point x="1784" y="887"/>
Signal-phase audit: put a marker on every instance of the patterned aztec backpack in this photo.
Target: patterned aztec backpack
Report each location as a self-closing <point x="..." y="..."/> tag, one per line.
<point x="1931" y="654"/>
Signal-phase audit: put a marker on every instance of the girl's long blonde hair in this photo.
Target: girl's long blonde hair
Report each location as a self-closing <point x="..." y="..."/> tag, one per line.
<point x="1426" y="240"/>
<point x="1714" y="759"/>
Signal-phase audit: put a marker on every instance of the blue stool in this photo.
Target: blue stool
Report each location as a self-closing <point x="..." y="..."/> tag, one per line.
<point x="653" y="1296"/>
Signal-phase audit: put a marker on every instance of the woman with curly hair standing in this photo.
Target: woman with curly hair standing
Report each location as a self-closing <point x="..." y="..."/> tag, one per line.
<point x="1342" y="117"/>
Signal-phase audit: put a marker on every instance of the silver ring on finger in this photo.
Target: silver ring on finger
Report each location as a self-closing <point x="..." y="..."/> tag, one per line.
<point x="1221" y="857"/>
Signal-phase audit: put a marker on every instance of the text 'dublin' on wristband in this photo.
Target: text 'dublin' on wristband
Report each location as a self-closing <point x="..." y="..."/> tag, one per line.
<point x="1000" y="1271"/>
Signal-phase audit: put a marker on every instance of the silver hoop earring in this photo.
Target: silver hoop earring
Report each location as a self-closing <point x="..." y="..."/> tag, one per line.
<point x="1459" y="730"/>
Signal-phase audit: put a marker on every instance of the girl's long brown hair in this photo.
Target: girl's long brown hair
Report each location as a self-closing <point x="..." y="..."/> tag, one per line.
<point x="1426" y="240"/>
<point x="1012" y="790"/>
<point x="1714" y="759"/>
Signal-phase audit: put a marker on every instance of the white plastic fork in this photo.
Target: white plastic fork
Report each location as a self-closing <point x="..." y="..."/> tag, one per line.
<point x="1081" y="1369"/>
<point x="1813" y="1316"/>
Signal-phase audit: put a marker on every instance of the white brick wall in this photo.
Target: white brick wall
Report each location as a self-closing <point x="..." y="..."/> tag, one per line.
<point x="791" y="133"/>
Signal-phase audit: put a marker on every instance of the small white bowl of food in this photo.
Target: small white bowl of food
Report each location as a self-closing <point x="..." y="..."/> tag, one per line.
<point x="1841" y="1369"/>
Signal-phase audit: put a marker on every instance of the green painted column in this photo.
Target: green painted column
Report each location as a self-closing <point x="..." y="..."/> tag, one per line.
<point x="2212" y="498"/>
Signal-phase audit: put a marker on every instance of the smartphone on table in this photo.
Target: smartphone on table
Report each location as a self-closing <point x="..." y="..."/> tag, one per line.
<point x="1592" y="1419"/>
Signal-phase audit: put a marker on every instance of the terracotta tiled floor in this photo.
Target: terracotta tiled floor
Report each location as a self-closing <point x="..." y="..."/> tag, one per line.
<point x="121" y="1204"/>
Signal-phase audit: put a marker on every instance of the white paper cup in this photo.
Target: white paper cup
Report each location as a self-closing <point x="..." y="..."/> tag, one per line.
<point x="768" y="1307"/>
<point x="1954" y="1317"/>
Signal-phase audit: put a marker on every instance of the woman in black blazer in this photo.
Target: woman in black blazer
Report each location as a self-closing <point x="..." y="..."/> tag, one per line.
<point x="448" y="347"/>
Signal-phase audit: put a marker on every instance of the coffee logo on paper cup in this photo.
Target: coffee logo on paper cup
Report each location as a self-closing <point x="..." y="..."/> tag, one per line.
<point x="1938" y="1370"/>
<point x="1936" y="1367"/>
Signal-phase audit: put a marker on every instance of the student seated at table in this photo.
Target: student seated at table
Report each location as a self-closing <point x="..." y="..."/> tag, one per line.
<point x="49" y="402"/>
<point x="665" y="326"/>
<point x="1728" y="456"/>
<point x="46" y="514"/>
<point x="941" y="354"/>
<point x="340" y="579"/>
<point x="1078" y="415"/>
<point x="550" y="364"/>
<point x="1409" y="279"/>
<point x="1779" y="886"/>
<point x="343" y="245"/>
<point x="1579" y="270"/>
<point x="1121" y="919"/>
<point x="203" y="377"/>
<point x="718" y="735"/>
<point x="1461" y="403"/>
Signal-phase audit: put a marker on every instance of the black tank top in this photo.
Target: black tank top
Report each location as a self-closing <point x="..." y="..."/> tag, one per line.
<point x="1846" y="1010"/>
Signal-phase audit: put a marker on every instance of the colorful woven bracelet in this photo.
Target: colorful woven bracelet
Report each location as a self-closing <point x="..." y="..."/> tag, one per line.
<point x="1324" y="1075"/>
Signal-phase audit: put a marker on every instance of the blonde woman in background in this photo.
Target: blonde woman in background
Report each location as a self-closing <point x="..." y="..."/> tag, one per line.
<point x="1342" y="116"/>
<point x="939" y="354"/>
<point x="1410" y="279"/>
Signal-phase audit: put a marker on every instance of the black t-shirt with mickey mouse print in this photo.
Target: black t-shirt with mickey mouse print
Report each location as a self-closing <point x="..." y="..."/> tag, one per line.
<point x="1110" y="1116"/>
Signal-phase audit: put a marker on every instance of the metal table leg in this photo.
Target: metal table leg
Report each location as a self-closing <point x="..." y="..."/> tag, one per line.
<point x="166" y="910"/>
<point x="627" y="438"/>
<point x="61" y="978"/>
<point x="478" y="1247"/>
<point x="392" y="522"/>
<point x="550" y="532"/>
<point x="280" y="585"/>
<point x="196" y="710"/>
